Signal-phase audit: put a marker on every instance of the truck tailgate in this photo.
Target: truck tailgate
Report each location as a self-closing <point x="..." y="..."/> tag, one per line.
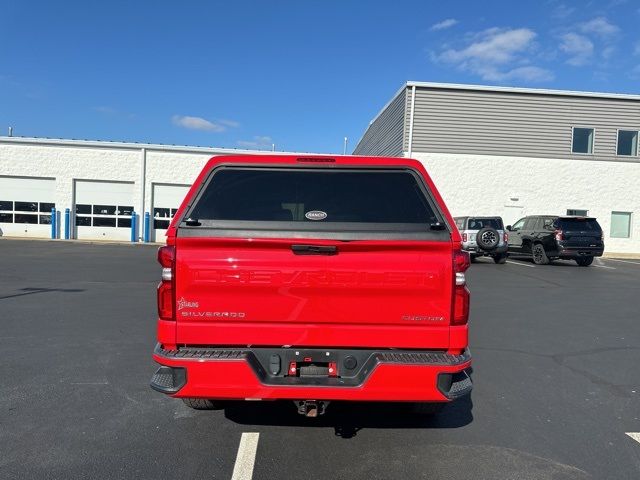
<point x="368" y="293"/>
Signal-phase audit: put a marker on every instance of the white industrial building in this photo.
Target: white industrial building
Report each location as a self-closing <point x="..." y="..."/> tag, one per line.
<point x="101" y="183"/>
<point x="490" y="150"/>
<point x="515" y="152"/>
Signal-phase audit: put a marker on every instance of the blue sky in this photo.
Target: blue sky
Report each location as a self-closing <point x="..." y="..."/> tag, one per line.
<point x="300" y="74"/>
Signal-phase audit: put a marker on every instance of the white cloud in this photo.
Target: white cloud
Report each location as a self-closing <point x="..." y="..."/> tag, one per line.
<point x="528" y="73"/>
<point x="581" y="47"/>
<point x="599" y="26"/>
<point x="495" y="54"/>
<point x="608" y="52"/>
<point x="578" y="47"/>
<point x="229" y="123"/>
<point x="199" y="123"/>
<point x="495" y="46"/>
<point x="258" y="141"/>
<point x="448" y="23"/>
<point x="562" y="11"/>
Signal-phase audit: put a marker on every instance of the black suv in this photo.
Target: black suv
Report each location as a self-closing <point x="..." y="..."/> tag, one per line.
<point x="548" y="237"/>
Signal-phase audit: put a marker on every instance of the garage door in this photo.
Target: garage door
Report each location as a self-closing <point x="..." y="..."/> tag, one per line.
<point x="166" y="200"/>
<point x="103" y="210"/>
<point x="25" y="206"/>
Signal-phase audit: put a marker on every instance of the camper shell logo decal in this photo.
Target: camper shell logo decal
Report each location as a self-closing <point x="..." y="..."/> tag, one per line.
<point x="316" y="215"/>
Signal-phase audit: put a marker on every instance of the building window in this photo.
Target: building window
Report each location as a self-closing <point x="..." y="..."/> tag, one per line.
<point x="115" y="216"/>
<point x="104" y="209"/>
<point x="582" y="140"/>
<point x="577" y="213"/>
<point x="26" y="212"/>
<point x="162" y="217"/>
<point x="26" y="206"/>
<point x="24" y="218"/>
<point x="620" y="224"/>
<point x="628" y="142"/>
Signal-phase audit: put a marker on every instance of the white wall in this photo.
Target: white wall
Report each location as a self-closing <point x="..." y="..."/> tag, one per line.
<point x="167" y="197"/>
<point x="471" y="184"/>
<point x="487" y="185"/>
<point x="116" y="197"/>
<point x="69" y="161"/>
<point x="34" y="191"/>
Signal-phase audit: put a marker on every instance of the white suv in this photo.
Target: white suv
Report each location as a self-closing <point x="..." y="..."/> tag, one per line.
<point x="483" y="236"/>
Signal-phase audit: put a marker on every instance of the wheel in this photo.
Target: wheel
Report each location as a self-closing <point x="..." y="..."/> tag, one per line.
<point x="584" y="261"/>
<point x="487" y="238"/>
<point x="500" y="259"/>
<point x="472" y="258"/>
<point x="539" y="255"/>
<point x="422" y="408"/>
<point x="203" y="404"/>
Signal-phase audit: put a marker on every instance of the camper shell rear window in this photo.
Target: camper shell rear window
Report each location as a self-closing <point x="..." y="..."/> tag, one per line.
<point x="393" y="202"/>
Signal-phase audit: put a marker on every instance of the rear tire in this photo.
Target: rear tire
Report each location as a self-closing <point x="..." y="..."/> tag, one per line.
<point x="539" y="255"/>
<point x="584" y="261"/>
<point x="203" y="404"/>
<point x="427" y="409"/>
<point x="500" y="259"/>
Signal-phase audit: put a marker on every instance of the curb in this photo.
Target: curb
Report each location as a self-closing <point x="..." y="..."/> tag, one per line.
<point x="629" y="256"/>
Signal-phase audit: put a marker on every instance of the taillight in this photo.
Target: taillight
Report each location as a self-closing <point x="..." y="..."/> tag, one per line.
<point x="464" y="237"/>
<point x="460" y="309"/>
<point x="461" y="261"/>
<point x="505" y="237"/>
<point x="166" y="258"/>
<point x="559" y="235"/>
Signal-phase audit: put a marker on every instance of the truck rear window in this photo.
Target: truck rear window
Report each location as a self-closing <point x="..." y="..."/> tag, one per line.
<point x="317" y="196"/>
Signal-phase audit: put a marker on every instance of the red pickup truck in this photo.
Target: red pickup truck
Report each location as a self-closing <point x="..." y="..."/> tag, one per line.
<point x="313" y="279"/>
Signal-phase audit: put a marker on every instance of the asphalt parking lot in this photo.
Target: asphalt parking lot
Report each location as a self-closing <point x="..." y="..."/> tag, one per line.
<point x="557" y="385"/>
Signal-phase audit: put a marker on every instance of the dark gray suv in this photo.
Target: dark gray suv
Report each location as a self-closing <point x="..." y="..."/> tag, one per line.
<point x="547" y="237"/>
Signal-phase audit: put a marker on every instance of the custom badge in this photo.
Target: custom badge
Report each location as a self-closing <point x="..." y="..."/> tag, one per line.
<point x="316" y="215"/>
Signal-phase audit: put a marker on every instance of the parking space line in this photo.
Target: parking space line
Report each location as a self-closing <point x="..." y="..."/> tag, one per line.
<point x="634" y="435"/>
<point x="246" y="458"/>
<point x="623" y="261"/>
<point x="604" y="266"/>
<point x="521" y="264"/>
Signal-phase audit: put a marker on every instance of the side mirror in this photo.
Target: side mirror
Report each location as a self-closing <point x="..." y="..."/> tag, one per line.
<point x="510" y="228"/>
